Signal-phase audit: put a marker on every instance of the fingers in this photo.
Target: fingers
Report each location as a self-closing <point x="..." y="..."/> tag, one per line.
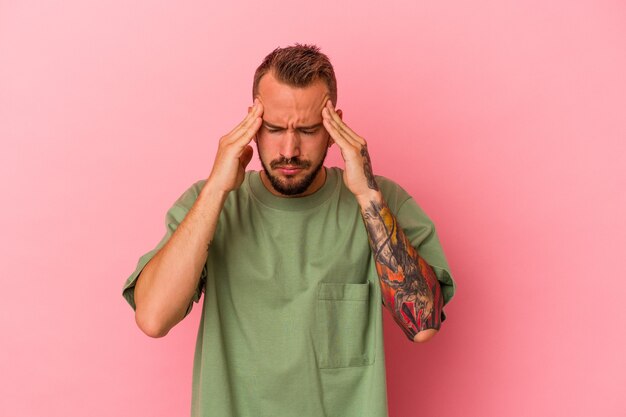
<point x="246" y="156"/>
<point x="244" y="131"/>
<point x="343" y="136"/>
<point x="250" y="114"/>
<point x="248" y="131"/>
<point x="250" y="125"/>
<point x="342" y="127"/>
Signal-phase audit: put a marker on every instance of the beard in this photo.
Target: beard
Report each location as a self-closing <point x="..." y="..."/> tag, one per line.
<point x="292" y="188"/>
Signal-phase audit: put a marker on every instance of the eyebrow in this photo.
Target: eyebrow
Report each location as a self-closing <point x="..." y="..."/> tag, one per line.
<point x="272" y="126"/>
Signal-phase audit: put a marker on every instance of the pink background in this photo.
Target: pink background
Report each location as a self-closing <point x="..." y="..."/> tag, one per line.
<point x="505" y="120"/>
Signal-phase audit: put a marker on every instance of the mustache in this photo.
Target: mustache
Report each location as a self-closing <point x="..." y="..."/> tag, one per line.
<point x="290" y="162"/>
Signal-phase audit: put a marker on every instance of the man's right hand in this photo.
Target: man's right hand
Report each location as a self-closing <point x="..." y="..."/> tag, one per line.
<point x="165" y="288"/>
<point x="234" y="152"/>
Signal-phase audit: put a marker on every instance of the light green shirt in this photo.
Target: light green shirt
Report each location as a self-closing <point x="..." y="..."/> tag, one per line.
<point x="292" y="322"/>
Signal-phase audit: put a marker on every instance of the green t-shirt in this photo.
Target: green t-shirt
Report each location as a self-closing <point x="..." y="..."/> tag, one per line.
<point x="292" y="322"/>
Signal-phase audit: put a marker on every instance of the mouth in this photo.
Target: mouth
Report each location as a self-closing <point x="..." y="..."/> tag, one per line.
<point x="289" y="170"/>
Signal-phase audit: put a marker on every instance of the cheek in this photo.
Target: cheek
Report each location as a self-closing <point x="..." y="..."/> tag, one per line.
<point x="264" y="146"/>
<point x="261" y="140"/>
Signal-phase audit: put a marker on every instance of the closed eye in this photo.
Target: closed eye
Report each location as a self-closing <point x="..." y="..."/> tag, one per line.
<point x="303" y="131"/>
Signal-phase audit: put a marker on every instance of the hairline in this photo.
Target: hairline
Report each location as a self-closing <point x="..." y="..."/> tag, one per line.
<point x="270" y="65"/>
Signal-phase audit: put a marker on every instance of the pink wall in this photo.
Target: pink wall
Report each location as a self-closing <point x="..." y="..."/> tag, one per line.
<point x="505" y="119"/>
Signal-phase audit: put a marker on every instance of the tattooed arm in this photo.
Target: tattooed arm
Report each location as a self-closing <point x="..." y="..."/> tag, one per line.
<point x="409" y="286"/>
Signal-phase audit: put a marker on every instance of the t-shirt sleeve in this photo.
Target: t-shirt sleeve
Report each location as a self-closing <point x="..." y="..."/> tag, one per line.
<point x="173" y="218"/>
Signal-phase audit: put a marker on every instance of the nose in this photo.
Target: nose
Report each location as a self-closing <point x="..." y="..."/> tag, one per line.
<point x="290" y="146"/>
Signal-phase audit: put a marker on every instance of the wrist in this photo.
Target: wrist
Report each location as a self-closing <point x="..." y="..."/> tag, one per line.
<point x="212" y="192"/>
<point x="367" y="198"/>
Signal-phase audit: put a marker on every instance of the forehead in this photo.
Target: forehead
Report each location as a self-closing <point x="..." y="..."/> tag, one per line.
<point x="286" y="104"/>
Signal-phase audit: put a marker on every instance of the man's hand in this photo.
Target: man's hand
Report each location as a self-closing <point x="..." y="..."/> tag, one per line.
<point x="234" y="152"/>
<point x="165" y="287"/>
<point x="358" y="174"/>
<point x="408" y="284"/>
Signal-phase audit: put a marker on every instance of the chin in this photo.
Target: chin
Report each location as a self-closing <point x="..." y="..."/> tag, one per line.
<point x="292" y="185"/>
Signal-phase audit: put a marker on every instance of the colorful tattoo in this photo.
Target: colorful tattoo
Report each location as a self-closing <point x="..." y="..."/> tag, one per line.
<point x="409" y="286"/>
<point x="367" y="168"/>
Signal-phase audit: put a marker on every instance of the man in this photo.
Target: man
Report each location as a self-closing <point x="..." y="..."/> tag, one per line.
<point x="293" y="260"/>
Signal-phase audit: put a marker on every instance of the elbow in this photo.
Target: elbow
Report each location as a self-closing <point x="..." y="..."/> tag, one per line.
<point x="150" y="326"/>
<point x="424" y="335"/>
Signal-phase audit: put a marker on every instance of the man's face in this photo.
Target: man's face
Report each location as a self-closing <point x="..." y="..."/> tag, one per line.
<point x="292" y="141"/>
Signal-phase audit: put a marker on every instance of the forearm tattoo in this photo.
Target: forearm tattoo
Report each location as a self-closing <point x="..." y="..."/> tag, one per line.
<point x="409" y="286"/>
<point x="367" y="168"/>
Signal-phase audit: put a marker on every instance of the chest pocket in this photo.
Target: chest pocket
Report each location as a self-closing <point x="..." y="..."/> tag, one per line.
<point x="344" y="334"/>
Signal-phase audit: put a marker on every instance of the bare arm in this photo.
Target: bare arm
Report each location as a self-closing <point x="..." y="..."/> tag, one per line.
<point x="167" y="283"/>
<point x="409" y="286"/>
<point x="165" y="287"/>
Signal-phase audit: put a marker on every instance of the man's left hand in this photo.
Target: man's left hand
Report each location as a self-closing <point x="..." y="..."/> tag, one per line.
<point x="358" y="174"/>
